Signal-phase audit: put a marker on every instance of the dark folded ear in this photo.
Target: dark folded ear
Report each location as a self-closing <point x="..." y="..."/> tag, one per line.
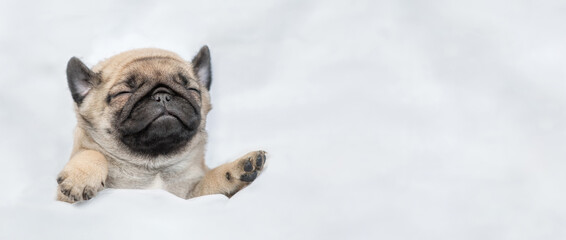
<point x="80" y="79"/>
<point x="201" y="65"/>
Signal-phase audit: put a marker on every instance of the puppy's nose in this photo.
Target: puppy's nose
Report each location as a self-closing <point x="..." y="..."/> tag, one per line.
<point x="161" y="95"/>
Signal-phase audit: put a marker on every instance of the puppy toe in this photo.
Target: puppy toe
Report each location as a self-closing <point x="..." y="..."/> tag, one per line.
<point x="248" y="177"/>
<point x="88" y="193"/>
<point x="260" y="160"/>
<point x="248" y="167"/>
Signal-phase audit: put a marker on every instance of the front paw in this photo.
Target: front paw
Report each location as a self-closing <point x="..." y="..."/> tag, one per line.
<point x="247" y="168"/>
<point x="77" y="185"/>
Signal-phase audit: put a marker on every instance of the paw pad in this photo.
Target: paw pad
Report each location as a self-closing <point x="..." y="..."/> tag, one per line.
<point x="249" y="177"/>
<point x="252" y="166"/>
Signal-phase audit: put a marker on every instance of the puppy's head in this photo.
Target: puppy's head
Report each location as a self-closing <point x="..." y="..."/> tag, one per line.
<point x="145" y="102"/>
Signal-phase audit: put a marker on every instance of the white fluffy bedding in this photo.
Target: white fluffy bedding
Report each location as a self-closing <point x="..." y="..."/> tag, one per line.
<point x="383" y="119"/>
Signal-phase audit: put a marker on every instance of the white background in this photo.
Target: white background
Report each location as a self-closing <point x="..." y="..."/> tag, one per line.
<point x="383" y="119"/>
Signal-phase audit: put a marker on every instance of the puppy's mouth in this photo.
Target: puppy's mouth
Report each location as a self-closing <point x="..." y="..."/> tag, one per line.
<point x="139" y="122"/>
<point x="159" y="122"/>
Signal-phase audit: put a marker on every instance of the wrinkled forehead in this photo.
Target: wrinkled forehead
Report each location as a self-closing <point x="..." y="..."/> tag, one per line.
<point x="142" y="69"/>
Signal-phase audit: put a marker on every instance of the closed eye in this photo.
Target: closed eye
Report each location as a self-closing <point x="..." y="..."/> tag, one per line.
<point x="196" y="90"/>
<point x="120" y="94"/>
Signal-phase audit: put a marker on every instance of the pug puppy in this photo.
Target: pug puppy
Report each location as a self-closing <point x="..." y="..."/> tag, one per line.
<point x="141" y="124"/>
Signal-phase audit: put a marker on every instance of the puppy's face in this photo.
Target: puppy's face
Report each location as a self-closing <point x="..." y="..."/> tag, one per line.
<point x="145" y="103"/>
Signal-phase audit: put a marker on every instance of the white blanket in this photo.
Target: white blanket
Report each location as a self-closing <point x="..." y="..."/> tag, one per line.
<point x="382" y="119"/>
